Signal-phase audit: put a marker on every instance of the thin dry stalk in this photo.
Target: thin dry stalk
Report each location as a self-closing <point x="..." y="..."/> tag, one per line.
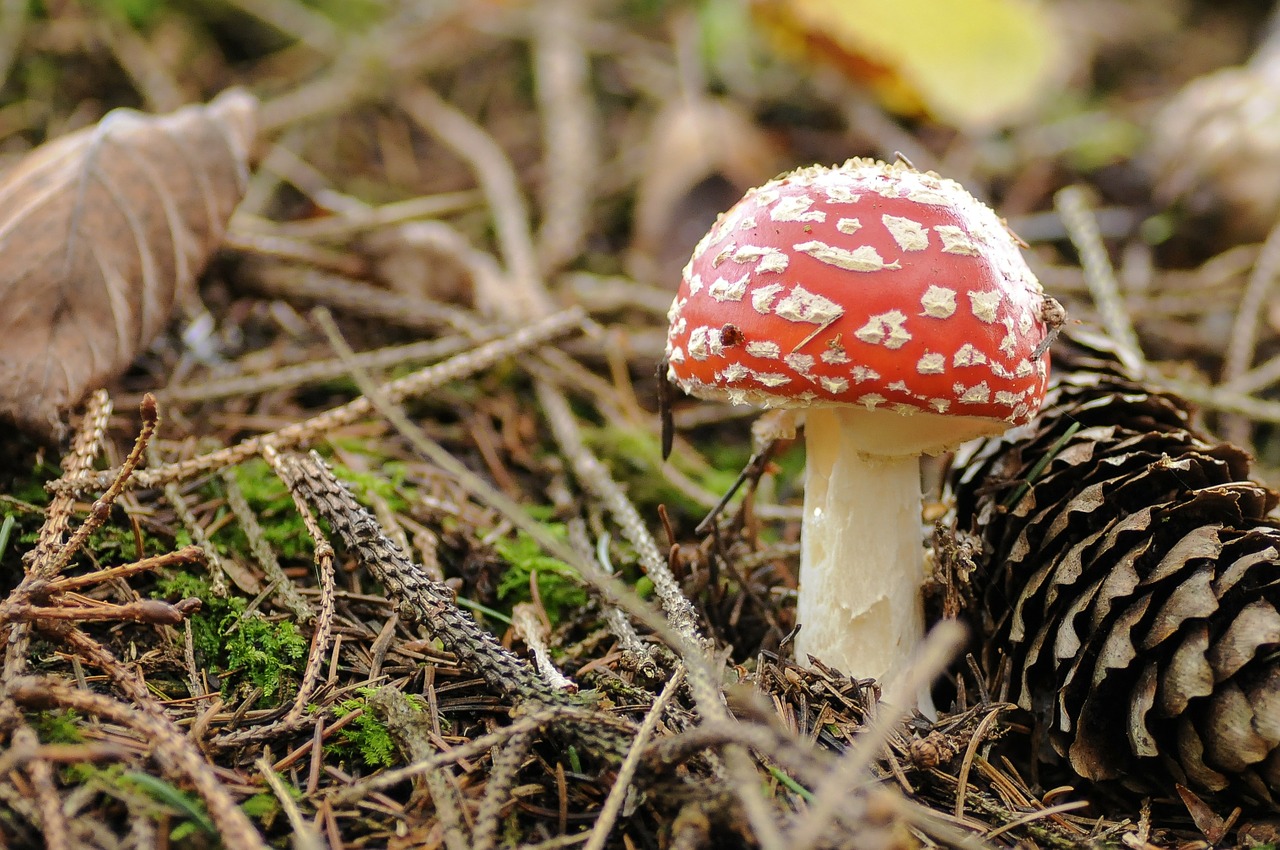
<point x="488" y="282"/>
<point x="502" y="777"/>
<point x="570" y="146"/>
<point x="292" y="250"/>
<point x="500" y="184"/>
<point x="296" y="21"/>
<point x="282" y="588"/>
<point x="795" y="755"/>
<point x="283" y="164"/>
<point x="212" y="559"/>
<point x="87" y="444"/>
<point x="135" y="57"/>
<point x="597" y="480"/>
<point x="1222" y="399"/>
<point x="1243" y="342"/>
<point x="315" y="371"/>
<point x="420" y="382"/>
<point x="1258" y="378"/>
<point x="626" y="772"/>
<point x="369" y="218"/>
<point x="979" y="736"/>
<point x="1082" y="227"/>
<point x="305" y="836"/>
<point x="348" y="81"/>
<point x="169" y="747"/>
<point x="53" y="823"/>
<point x="354" y="297"/>
<point x="534" y="631"/>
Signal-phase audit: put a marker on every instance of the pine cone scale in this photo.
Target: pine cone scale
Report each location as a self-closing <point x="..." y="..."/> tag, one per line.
<point x="1127" y="567"/>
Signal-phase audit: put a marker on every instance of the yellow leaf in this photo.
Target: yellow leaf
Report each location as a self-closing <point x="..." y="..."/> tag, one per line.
<point x="975" y="64"/>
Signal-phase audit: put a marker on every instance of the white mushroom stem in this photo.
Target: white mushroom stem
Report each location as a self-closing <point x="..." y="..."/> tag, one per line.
<point x="861" y="561"/>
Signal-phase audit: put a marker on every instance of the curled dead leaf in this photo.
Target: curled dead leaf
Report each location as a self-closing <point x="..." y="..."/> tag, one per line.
<point x="100" y="232"/>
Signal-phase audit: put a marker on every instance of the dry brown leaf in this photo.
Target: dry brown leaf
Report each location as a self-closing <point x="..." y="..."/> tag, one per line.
<point x="100" y="231"/>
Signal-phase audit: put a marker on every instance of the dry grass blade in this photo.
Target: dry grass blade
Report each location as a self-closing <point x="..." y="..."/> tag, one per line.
<point x="595" y="477"/>
<point x="424" y="380"/>
<point x="305" y="836"/>
<point x="528" y="296"/>
<point x="102" y="232"/>
<point x="53" y="823"/>
<point x="569" y="126"/>
<point x="1083" y="229"/>
<point x="617" y="794"/>
<point x="315" y="371"/>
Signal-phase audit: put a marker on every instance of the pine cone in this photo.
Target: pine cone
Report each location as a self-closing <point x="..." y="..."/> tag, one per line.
<point x="1129" y="571"/>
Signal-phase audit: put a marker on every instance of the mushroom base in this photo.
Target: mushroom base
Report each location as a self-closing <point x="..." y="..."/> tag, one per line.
<point x="862" y="558"/>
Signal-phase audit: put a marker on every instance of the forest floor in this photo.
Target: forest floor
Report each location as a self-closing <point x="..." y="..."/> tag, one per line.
<point x="493" y="201"/>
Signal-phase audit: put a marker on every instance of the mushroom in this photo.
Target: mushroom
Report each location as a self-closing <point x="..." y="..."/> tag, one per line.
<point x="897" y="311"/>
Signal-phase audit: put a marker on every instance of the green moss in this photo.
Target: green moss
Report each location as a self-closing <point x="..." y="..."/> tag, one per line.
<point x="178" y="801"/>
<point x="265" y="806"/>
<point x="58" y="727"/>
<point x="386" y="483"/>
<point x="140" y="13"/>
<point x="30" y="488"/>
<point x="559" y="585"/>
<point x="271" y="503"/>
<point x="635" y="458"/>
<point x="367" y="735"/>
<point x="245" y="651"/>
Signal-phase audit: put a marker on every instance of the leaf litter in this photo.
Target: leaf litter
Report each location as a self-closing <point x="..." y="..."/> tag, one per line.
<point x="405" y="721"/>
<point x="104" y="231"/>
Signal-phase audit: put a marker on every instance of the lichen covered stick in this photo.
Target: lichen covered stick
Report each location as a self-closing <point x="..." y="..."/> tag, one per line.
<point x="898" y="312"/>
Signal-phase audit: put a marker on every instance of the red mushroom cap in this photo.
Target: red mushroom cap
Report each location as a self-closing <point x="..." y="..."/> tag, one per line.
<point x="866" y="284"/>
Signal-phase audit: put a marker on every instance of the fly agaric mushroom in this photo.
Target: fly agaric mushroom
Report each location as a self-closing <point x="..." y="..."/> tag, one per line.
<point x="899" y="313"/>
